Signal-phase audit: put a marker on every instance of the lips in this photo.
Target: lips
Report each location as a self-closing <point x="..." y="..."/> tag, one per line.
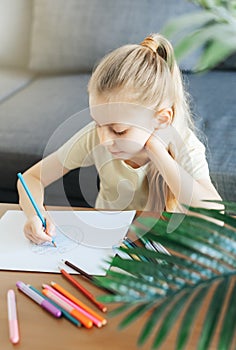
<point x="115" y="153"/>
<point x="112" y="150"/>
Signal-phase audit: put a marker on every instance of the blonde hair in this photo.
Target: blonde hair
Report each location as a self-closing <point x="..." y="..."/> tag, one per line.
<point x="148" y="74"/>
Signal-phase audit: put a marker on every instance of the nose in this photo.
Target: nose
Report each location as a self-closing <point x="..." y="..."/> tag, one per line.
<point x="105" y="136"/>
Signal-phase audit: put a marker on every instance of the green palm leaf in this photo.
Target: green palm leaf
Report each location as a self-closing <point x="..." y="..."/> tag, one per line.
<point x="213" y="314"/>
<point x="202" y="261"/>
<point x="229" y="327"/>
<point x="190" y="314"/>
<point x="138" y="311"/>
<point x="156" y="315"/>
<point x="170" y="317"/>
<point x="185" y="22"/>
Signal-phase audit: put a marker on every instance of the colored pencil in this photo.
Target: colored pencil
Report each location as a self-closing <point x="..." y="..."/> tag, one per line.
<point x="45" y="304"/>
<point x="72" y="311"/>
<point x="70" y="296"/>
<point x="85" y="292"/>
<point x="76" y="268"/>
<point x="126" y="246"/>
<point x="31" y="198"/>
<point x="131" y="244"/>
<point x="95" y="320"/>
<point x="86" y="275"/>
<point x="64" y="312"/>
<point x="12" y="317"/>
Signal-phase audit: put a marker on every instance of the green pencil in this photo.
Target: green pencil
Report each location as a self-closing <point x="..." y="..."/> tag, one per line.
<point x="64" y="312"/>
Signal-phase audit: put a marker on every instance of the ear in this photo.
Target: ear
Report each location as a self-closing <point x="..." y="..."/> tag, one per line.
<point x="163" y="118"/>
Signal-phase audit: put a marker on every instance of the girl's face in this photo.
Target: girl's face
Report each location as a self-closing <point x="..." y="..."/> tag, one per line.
<point x="123" y="128"/>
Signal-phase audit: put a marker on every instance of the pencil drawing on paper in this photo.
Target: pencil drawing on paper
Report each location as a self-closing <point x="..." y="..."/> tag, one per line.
<point x="67" y="238"/>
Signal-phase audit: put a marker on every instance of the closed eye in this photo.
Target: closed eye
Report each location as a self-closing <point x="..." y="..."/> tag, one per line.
<point x="119" y="132"/>
<point x="122" y="132"/>
<point x="112" y="130"/>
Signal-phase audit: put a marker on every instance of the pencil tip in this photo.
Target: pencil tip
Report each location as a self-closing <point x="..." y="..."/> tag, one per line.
<point x="54" y="243"/>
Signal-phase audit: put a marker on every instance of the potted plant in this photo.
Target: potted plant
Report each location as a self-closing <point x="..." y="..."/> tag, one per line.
<point x="212" y="27"/>
<point x="199" y="257"/>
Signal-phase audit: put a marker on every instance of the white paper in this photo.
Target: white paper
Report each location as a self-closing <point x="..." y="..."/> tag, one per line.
<point x="94" y="236"/>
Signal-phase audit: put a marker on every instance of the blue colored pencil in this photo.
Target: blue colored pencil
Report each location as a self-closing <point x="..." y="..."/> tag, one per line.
<point x="27" y="190"/>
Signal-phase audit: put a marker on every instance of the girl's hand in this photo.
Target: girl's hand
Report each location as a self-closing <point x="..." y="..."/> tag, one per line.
<point x="160" y="139"/>
<point x="35" y="232"/>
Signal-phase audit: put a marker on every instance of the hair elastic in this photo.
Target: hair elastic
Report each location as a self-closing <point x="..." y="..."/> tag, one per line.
<point x="155" y="47"/>
<point x="150" y="43"/>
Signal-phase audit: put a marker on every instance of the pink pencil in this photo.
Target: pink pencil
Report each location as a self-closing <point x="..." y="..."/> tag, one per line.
<point x="68" y="301"/>
<point x="73" y="312"/>
<point x="12" y="317"/>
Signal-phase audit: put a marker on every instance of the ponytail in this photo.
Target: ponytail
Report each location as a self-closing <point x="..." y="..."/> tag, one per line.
<point x="161" y="47"/>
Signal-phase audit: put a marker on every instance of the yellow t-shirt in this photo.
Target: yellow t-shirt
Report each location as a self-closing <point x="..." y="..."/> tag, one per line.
<point x="121" y="186"/>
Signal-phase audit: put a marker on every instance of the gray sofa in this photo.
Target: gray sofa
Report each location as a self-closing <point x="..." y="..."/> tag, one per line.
<point x="48" y="50"/>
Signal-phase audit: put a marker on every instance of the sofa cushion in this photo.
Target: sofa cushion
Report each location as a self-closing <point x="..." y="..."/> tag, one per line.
<point x="15" y="28"/>
<point x="12" y="80"/>
<point x="213" y="94"/>
<point x="73" y="35"/>
<point x="36" y="111"/>
<point x="29" y="120"/>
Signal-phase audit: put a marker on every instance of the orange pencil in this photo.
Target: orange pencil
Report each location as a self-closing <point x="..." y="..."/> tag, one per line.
<point x="73" y="312"/>
<point x="78" y="302"/>
<point x="97" y="322"/>
<point x="88" y="295"/>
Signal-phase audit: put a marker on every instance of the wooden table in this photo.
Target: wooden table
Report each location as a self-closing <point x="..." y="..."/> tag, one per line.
<point x="39" y="330"/>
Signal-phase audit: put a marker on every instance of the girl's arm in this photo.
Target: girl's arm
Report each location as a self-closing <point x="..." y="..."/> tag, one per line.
<point x="185" y="188"/>
<point x="37" y="178"/>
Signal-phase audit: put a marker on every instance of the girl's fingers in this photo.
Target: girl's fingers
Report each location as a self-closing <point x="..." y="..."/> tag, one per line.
<point x="50" y="228"/>
<point x="33" y="239"/>
<point x="34" y="231"/>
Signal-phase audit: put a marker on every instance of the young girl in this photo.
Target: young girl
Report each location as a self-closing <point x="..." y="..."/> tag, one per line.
<point x="140" y="140"/>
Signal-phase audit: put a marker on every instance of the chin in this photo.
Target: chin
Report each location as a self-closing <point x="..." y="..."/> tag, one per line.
<point x="121" y="155"/>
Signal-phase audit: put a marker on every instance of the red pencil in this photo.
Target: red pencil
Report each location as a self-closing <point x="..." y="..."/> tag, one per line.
<point x="88" y="295"/>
